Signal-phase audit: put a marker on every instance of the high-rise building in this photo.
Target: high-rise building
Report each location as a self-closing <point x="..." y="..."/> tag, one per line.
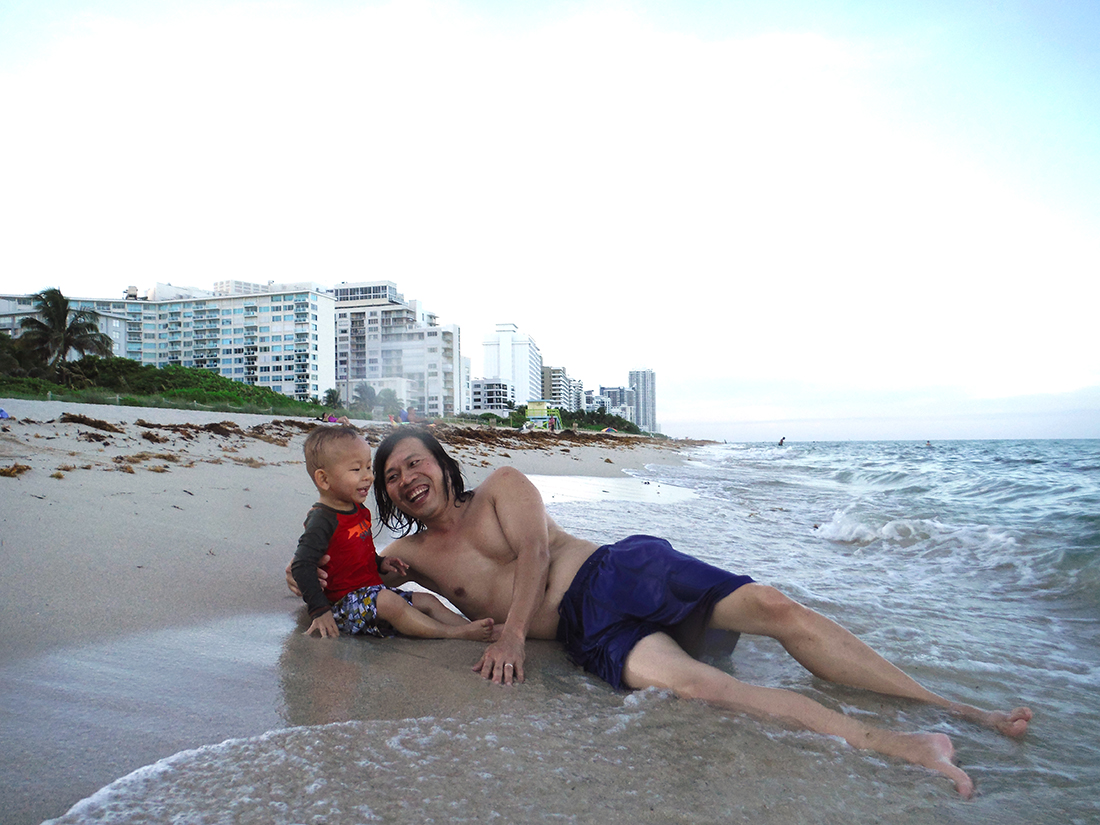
<point x="559" y="389"/>
<point x="493" y="395"/>
<point x="466" y="399"/>
<point x="614" y="401"/>
<point x="578" y="395"/>
<point x="514" y="356"/>
<point x="388" y="342"/>
<point x="644" y="384"/>
<point x="618" y="397"/>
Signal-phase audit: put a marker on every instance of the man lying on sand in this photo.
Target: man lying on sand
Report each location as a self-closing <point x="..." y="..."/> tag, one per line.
<point x="627" y="611"/>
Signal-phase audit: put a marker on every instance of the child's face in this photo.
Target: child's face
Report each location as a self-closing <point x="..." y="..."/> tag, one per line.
<point x="346" y="478"/>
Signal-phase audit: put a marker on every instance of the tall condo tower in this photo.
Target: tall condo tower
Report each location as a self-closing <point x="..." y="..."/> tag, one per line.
<point x="644" y="384"/>
<point x="513" y="356"/>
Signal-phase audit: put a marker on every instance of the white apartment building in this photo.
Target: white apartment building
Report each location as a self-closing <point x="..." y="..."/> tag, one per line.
<point x="278" y="337"/>
<point x="578" y="395"/>
<point x="644" y="384"/>
<point x="493" y="395"/>
<point x="466" y="392"/>
<point x="513" y="356"/>
<point x="381" y="337"/>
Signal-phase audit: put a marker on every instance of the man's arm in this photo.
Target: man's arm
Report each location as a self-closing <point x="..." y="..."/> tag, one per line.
<point x="322" y="575"/>
<point x="522" y="518"/>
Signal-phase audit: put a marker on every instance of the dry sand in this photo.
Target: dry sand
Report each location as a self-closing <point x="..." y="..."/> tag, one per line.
<point x="143" y="605"/>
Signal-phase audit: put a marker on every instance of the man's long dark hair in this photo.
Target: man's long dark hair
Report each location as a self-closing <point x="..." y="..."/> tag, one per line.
<point x="454" y="485"/>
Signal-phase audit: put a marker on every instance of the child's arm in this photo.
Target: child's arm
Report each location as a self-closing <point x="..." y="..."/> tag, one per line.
<point x="393" y="571"/>
<point x="312" y="546"/>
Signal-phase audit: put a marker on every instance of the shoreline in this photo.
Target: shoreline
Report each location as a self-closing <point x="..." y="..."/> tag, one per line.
<point x="144" y="611"/>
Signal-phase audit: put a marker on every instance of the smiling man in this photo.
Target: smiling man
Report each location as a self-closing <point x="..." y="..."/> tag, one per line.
<point x="629" y="611"/>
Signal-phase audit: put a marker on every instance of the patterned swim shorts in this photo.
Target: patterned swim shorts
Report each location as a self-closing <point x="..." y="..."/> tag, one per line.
<point x="357" y="612"/>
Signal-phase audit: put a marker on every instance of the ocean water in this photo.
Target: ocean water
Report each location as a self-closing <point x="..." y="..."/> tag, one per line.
<point x="972" y="565"/>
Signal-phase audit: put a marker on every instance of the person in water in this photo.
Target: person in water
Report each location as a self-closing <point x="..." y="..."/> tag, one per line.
<point x="630" y="611"/>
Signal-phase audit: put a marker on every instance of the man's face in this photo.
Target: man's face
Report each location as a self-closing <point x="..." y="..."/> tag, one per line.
<point x="413" y="478"/>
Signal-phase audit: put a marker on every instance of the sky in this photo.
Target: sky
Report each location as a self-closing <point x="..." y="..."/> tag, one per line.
<point x="815" y="220"/>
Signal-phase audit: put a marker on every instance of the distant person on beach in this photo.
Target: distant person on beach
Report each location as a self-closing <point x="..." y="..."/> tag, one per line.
<point x="628" y="612"/>
<point x="784" y="438"/>
<point x="353" y="598"/>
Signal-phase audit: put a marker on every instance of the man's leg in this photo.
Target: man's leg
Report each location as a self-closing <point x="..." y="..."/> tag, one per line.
<point x="830" y="652"/>
<point x="657" y="661"/>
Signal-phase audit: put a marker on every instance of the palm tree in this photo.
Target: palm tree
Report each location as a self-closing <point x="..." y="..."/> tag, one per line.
<point x="59" y="329"/>
<point x="15" y="356"/>
<point x="389" y="402"/>
<point x="365" y="396"/>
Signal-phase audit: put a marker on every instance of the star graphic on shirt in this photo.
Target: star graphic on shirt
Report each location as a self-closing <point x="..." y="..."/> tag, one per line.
<point x="358" y="530"/>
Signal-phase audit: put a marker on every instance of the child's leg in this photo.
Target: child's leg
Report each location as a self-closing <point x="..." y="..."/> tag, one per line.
<point x="409" y="621"/>
<point x="428" y="604"/>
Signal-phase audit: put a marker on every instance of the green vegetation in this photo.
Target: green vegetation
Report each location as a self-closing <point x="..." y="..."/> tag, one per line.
<point x="598" y="420"/>
<point x="93" y="380"/>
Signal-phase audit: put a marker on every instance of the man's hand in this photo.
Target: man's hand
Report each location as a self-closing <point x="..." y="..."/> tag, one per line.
<point x="322" y="575"/>
<point x="325" y="625"/>
<point x="502" y="661"/>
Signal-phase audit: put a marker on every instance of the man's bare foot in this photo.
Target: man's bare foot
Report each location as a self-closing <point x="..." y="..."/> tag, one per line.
<point x="1009" y="723"/>
<point x="935" y="752"/>
<point x="479" y="631"/>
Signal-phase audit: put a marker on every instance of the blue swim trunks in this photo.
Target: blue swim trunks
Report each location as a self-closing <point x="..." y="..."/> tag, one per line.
<point x="631" y="589"/>
<point x="357" y="612"/>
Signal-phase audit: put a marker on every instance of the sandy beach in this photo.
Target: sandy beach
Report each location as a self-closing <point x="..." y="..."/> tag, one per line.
<point x="144" y="610"/>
